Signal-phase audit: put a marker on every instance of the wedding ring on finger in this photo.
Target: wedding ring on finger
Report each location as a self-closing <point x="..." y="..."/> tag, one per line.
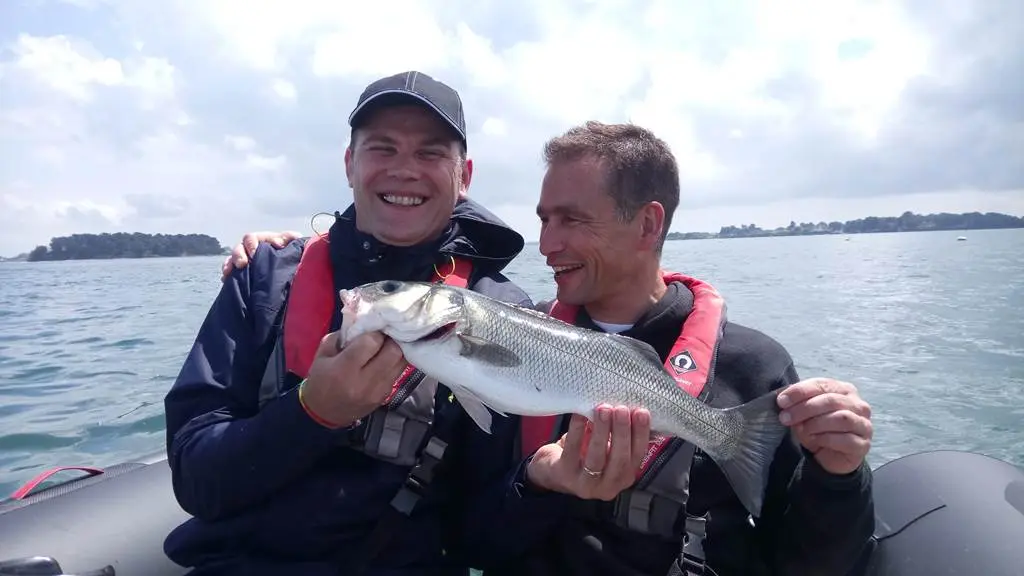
<point x="592" y="473"/>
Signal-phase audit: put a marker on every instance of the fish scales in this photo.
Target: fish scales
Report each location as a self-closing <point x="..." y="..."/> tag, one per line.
<point x="595" y="368"/>
<point x="513" y="360"/>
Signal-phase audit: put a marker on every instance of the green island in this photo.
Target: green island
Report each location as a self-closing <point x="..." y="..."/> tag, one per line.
<point x="124" y="245"/>
<point x="907" y="222"/>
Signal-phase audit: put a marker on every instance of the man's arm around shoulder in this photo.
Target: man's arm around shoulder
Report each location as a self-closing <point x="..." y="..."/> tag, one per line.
<point x="225" y="453"/>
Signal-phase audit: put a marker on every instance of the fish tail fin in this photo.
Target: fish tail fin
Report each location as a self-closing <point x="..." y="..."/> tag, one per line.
<point x="747" y="461"/>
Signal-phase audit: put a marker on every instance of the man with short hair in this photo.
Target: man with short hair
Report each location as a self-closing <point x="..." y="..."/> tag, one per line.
<point x="294" y="457"/>
<point x="598" y="498"/>
<point x="606" y="206"/>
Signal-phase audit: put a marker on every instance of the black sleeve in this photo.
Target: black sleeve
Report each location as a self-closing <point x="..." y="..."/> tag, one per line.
<point x="814" y="522"/>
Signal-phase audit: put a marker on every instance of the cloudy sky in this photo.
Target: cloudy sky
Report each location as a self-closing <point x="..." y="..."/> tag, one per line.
<point x="221" y="116"/>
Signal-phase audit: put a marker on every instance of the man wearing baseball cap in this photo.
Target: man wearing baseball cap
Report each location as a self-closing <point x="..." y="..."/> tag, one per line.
<point x="294" y="457"/>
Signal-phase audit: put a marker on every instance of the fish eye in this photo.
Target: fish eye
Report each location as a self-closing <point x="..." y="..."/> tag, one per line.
<point x="389" y="286"/>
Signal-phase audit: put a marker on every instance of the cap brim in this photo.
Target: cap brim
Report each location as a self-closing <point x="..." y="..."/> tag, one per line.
<point x="385" y="95"/>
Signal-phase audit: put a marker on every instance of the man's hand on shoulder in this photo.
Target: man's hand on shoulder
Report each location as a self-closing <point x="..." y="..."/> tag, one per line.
<point x="244" y="250"/>
<point x="830" y="419"/>
<point x="595" y="461"/>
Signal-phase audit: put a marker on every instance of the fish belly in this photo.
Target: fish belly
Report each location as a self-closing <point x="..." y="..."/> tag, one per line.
<point x="501" y="389"/>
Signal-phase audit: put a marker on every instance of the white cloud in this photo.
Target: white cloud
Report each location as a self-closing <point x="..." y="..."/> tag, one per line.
<point x="75" y="68"/>
<point x="240" y="143"/>
<point x="776" y="110"/>
<point x="56" y="63"/>
<point x="494" y="127"/>
<point x="269" y="163"/>
<point x="284" y="89"/>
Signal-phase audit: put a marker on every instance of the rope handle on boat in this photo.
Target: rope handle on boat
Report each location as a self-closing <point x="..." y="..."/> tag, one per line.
<point x="27" y="488"/>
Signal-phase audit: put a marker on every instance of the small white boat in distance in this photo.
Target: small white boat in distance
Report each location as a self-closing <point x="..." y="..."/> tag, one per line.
<point x="961" y="238"/>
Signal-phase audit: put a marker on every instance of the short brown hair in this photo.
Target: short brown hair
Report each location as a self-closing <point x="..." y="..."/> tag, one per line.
<point x="641" y="167"/>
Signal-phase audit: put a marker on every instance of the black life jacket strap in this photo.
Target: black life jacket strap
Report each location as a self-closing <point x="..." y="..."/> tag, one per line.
<point x="415" y="487"/>
<point x="691" y="561"/>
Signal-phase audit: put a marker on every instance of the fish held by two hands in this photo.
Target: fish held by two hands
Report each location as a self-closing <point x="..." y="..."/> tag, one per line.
<point x="516" y="360"/>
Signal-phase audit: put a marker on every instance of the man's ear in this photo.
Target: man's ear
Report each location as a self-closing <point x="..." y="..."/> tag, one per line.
<point x="467" y="177"/>
<point x="651" y="219"/>
<point x="348" y="165"/>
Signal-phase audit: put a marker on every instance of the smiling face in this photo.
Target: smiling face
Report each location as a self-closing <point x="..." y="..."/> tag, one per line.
<point x="406" y="171"/>
<point x="596" y="256"/>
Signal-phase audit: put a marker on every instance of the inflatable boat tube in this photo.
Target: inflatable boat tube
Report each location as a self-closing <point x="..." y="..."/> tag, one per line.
<point x="939" y="513"/>
<point x="109" y="522"/>
<point x="946" y="513"/>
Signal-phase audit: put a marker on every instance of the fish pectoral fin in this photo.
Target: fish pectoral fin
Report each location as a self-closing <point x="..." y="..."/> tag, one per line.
<point x="488" y="352"/>
<point x="642" y="348"/>
<point x="467" y="393"/>
<point x="472" y="405"/>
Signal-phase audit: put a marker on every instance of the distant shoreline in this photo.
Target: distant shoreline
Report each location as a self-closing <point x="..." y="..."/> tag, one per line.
<point x="907" y="222"/>
<point x="771" y="234"/>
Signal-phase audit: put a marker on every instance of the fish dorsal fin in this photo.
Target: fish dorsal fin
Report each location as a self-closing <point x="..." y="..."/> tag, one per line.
<point x="531" y="312"/>
<point x="642" y="348"/>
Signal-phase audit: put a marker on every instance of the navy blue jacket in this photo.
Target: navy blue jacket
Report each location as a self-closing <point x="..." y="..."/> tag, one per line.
<point x="270" y="491"/>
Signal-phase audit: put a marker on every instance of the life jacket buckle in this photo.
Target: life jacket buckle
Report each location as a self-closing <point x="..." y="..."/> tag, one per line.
<point x="694" y="567"/>
<point x="693" y="556"/>
<point x="407" y="497"/>
<point x="415" y="485"/>
<point x="356" y="436"/>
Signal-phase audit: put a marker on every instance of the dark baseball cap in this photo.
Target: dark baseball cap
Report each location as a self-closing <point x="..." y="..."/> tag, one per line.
<point x="415" y="87"/>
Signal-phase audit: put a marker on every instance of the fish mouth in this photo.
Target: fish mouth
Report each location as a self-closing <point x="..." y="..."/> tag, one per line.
<point x="440" y="333"/>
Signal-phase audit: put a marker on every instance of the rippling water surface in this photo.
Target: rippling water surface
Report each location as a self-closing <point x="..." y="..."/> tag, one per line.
<point x="930" y="329"/>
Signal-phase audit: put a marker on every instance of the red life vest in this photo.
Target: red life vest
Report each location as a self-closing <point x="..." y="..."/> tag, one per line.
<point x="689" y="361"/>
<point x="401" y="432"/>
<point x="311" y="303"/>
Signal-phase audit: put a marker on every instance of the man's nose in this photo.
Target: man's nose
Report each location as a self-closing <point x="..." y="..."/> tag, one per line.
<point x="403" y="173"/>
<point x="403" y="167"/>
<point x="551" y="239"/>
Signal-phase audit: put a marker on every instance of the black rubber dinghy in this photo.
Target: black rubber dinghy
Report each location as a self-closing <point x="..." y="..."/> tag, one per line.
<point x="118" y="518"/>
<point x="939" y="513"/>
<point x="943" y="513"/>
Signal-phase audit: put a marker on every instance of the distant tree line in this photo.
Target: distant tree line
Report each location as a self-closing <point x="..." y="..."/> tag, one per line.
<point x="126" y="245"/>
<point x="907" y="222"/>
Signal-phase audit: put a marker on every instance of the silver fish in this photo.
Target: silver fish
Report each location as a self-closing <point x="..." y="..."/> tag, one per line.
<point x="511" y="359"/>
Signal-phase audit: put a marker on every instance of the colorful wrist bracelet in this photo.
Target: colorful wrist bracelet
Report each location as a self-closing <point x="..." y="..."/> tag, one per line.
<point x="313" y="415"/>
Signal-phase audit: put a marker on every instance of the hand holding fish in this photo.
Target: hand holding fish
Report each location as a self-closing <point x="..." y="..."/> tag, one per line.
<point x="344" y="386"/>
<point x="829" y="418"/>
<point x="595" y="462"/>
